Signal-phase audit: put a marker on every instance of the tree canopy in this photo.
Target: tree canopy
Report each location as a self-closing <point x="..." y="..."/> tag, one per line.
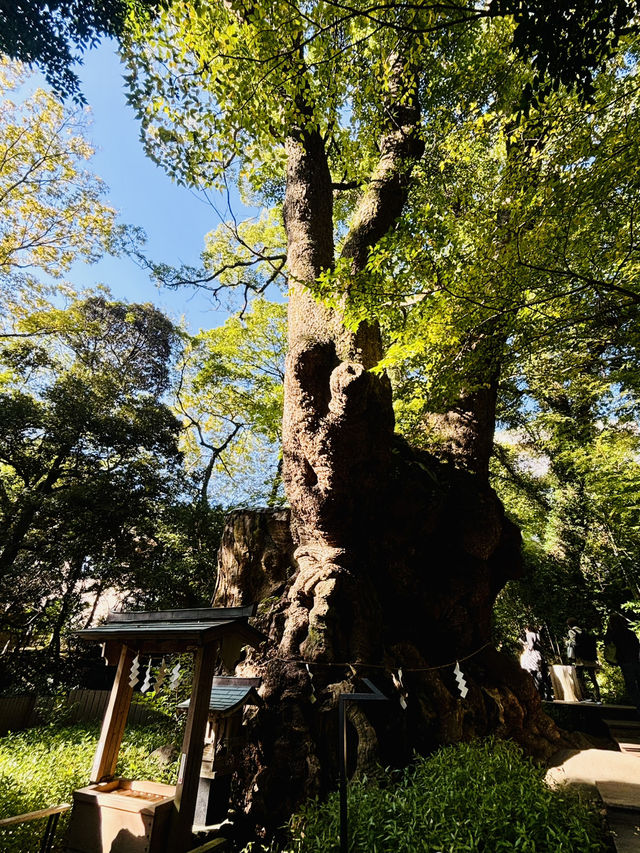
<point x="87" y="451"/>
<point x="54" y="34"/>
<point x="53" y="209"/>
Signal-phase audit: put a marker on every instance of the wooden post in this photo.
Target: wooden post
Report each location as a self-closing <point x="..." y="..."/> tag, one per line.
<point x="192" y="748"/>
<point x="115" y="718"/>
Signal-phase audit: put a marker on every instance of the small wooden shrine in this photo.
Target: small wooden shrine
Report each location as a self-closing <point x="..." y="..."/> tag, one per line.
<point x="136" y="816"/>
<point x="222" y="745"/>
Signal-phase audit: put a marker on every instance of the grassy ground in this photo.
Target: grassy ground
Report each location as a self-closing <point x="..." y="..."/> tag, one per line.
<point x="483" y="797"/>
<point x="41" y="767"/>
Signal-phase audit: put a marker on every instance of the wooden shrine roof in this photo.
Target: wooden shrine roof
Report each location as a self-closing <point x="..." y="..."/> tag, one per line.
<point x="175" y="630"/>
<point x="229" y="694"/>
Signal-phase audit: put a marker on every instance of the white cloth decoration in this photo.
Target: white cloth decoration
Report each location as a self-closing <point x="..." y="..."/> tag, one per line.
<point x="175" y="677"/>
<point x="312" y="698"/>
<point x="402" y="690"/>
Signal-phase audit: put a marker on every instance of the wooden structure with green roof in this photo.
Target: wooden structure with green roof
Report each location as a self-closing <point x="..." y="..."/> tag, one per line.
<point x="145" y="817"/>
<point x="223" y="743"/>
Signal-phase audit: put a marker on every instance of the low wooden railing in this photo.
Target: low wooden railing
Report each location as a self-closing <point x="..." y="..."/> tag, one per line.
<point x="53" y="816"/>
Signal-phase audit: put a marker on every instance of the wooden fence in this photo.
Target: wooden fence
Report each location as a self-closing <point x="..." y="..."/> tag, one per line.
<point x="23" y="712"/>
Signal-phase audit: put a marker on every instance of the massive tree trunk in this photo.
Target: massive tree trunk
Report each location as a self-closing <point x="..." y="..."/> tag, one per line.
<point x="388" y="559"/>
<point x="463" y="434"/>
<point x="438" y="551"/>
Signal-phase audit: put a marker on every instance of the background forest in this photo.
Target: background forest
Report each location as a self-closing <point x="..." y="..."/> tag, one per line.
<point x="124" y="439"/>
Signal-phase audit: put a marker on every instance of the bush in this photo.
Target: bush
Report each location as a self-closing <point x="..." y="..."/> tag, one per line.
<point x="611" y="681"/>
<point x="41" y="767"/>
<point x="483" y="796"/>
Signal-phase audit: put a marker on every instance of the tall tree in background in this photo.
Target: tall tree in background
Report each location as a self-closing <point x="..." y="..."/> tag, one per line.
<point x="230" y="394"/>
<point x="88" y="457"/>
<point x="568" y="470"/>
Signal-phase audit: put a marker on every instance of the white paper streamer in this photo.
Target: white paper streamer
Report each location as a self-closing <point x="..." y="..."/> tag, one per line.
<point x="146" y="684"/>
<point x="135" y="670"/>
<point x="462" y="684"/>
<point x="175" y="677"/>
<point x="312" y="698"/>
<point x="402" y="690"/>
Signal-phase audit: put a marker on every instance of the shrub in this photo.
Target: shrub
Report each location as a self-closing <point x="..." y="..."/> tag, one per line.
<point x="41" y="767"/>
<point x="483" y="796"/>
<point x="611" y="681"/>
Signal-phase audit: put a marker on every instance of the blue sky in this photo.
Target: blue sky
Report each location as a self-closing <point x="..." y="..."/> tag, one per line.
<point x="175" y="219"/>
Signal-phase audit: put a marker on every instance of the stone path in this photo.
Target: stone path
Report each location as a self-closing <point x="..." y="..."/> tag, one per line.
<point x="616" y="775"/>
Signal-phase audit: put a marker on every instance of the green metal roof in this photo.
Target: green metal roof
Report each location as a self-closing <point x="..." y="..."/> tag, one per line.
<point x="227" y="694"/>
<point x="197" y="626"/>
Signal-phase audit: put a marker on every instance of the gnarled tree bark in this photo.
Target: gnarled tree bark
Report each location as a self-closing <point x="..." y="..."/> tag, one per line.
<point x="393" y="559"/>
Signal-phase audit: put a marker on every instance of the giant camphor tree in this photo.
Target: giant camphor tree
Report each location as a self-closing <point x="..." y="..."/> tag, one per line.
<point x="395" y="558"/>
<point x="390" y="560"/>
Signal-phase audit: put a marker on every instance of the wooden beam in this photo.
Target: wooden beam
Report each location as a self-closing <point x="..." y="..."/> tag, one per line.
<point x="216" y="844"/>
<point x="23" y="818"/>
<point x="192" y="748"/>
<point x="115" y="718"/>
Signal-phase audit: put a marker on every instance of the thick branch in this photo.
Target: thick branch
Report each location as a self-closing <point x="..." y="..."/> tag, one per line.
<point x="465" y="431"/>
<point x="383" y="201"/>
<point x="400" y="148"/>
<point x="308" y="220"/>
<point x="308" y="208"/>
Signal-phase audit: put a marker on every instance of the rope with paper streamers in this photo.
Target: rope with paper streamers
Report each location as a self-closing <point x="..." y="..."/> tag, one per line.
<point x="353" y="664"/>
<point x="397" y="678"/>
<point x="171" y="679"/>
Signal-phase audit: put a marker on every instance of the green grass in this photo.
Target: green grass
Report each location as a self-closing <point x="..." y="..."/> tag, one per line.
<point x="482" y="797"/>
<point x="41" y="767"/>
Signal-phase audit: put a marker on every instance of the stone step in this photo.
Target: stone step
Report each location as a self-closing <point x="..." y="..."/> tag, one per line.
<point x="608" y="713"/>
<point x="630" y="746"/>
<point x="624" y="732"/>
<point x="622" y="724"/>
<point x="625" y="830"/>
<point x="620" y="794"/>
<point x="616" y="776"/>
<point x="593" y="719"/>
<point x="614" y="712"/>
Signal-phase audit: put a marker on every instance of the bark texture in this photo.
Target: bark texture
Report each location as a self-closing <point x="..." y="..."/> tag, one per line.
<point x="390" y="559"/>
<point x="441" y="548"/>
<point x="464" y="433"/>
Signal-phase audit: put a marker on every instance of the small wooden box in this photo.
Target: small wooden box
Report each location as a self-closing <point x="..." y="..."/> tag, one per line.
<point x="121" y="816"/>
